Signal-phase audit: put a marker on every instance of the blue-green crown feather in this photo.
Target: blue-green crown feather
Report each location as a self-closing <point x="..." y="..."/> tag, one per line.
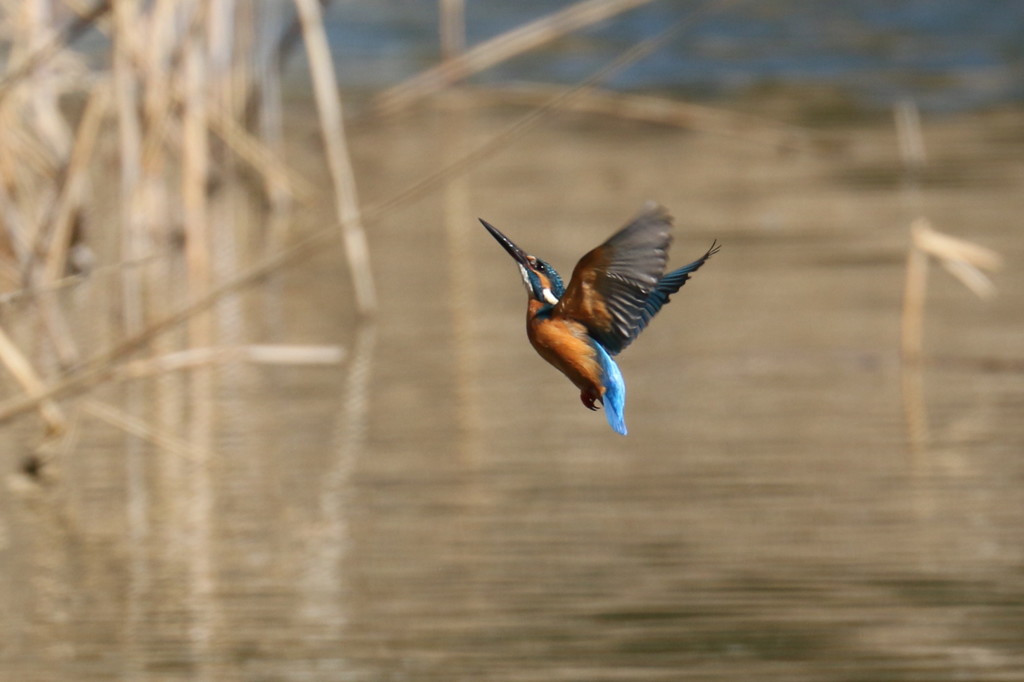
<point x="537" y="286"/>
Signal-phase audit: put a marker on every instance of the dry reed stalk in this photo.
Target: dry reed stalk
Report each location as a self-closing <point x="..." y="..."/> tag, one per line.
<point x="130" y="144"/>
<point x="328" y="102"/>
<point x="195" y="163"/>
<point x="157" y="73"/>
<point x="963" y="259"/>
<point x="58" y="40"/>
<point x="909" y="135"/>
<point x="199" y="71"/>
<point x="23" y="372"/>
<point x="453" y="28"/>
<point x="221" y="30"/>
<point x="48" y="118"/>
<point x="261" y="354"/>
<point x="243" y="54"/>
<point x="277" y="46"/>
<point x="14" y="226"/>
<point x="72" y="194"/>
<point x="261" y="157"/>
<point x="56" y="326"/>
<point x="27" y="156"/>
<point x="661" y="111"/>
<point x="43" y="126"/>
<point x="282" y="354"/>
<point x="501" y="48"/>
<point x="266" y="90"/>
<point x="162" y="99"/>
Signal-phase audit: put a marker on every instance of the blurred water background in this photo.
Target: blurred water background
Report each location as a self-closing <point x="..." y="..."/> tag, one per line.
<point x="267" y="458"/>
<point x="948" y="55"/>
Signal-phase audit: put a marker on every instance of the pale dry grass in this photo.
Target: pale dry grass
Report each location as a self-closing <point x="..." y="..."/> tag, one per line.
<point x="173" y="92"/>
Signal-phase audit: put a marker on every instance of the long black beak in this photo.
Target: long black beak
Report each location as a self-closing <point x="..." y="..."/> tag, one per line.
<point x="509" y="245"/>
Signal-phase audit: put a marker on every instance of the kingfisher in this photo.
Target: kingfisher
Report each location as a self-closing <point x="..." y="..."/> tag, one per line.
<point x="614" y="291"/>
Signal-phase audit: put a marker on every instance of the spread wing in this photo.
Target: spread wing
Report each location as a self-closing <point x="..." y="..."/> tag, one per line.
<point x="611" y="285"/>
<point x="667" y="285"/>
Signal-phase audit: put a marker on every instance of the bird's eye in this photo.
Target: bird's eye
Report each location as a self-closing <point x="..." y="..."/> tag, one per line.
<point x="539" y="265"/>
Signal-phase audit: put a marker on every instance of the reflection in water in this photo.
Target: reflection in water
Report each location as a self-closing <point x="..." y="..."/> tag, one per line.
<point x="438" y="507"/>
<point x="324" y="586"/>
<point x="460" y="270"/>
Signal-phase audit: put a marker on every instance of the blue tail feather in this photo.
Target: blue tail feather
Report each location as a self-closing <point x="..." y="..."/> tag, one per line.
<point x="615" y="390"/>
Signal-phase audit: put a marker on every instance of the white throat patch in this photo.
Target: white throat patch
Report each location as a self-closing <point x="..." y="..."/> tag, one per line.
<point x="526" y="279"/>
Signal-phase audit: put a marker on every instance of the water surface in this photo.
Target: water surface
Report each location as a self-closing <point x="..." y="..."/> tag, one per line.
<point x="789" y="504"/>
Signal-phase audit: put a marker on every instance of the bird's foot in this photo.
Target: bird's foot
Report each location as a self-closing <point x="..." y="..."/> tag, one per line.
<point x="588" y="398"/>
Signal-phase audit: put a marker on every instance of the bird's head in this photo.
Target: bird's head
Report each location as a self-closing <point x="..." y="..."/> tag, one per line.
<point x="542" y="281"/>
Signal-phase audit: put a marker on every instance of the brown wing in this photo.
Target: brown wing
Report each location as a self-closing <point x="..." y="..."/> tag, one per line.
<point x="611" y="284"/>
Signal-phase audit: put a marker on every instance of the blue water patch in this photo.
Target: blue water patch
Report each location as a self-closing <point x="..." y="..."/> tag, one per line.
<point x="946" y="54"/>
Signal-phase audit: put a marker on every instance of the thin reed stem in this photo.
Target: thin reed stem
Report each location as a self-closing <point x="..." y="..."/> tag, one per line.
<point x="343" y="177"/>
<point x="75" y="184"/>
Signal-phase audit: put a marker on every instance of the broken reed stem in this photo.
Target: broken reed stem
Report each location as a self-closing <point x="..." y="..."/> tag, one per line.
<point x="328" y="101"/>
<point x="499" y="49"/>
<point x="963" y="259"/>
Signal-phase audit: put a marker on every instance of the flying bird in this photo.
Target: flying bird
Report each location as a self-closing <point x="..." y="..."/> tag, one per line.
<point x="614" y="291"/>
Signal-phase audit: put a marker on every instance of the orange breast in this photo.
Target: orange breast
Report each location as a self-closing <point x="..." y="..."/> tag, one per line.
<point x="564" y="344"/>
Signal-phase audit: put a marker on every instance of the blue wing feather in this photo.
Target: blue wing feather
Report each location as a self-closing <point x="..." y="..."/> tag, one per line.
<point x="667" y="285"/>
